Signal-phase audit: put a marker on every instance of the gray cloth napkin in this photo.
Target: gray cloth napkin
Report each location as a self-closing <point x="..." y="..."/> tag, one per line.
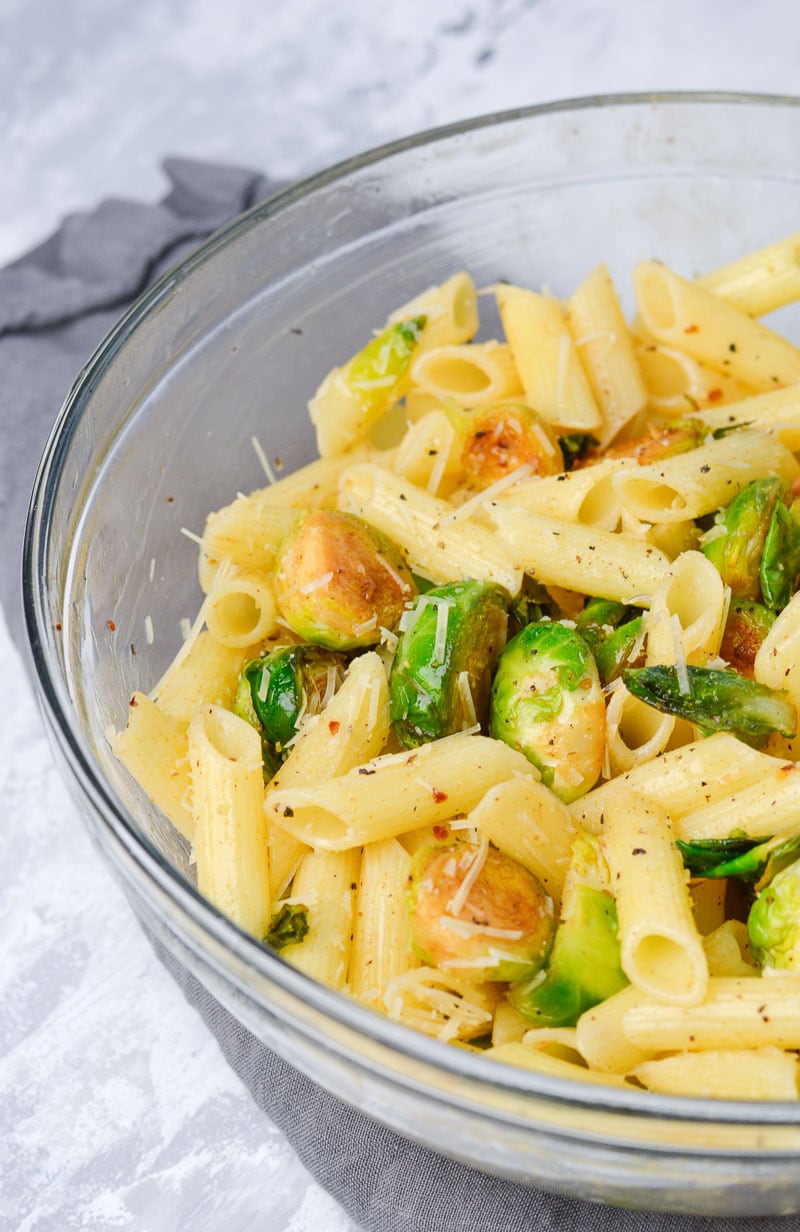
<point x="56" y="304"/>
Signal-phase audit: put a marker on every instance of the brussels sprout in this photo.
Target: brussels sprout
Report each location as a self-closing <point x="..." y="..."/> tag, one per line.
<point x="547" y="702"/>
<point x="338" y="581"/>
<point x="445" y="659"/>
<point x="575" y="446"/>
<point x="665" y="440"/>
<point x="611" y="631"/>
<point x="660" y="441"/>
<point x="773" y="925"/>
<point x="780" y="560"/>
<point x="716" y="700"/>
<point x="584" y="964"/>
<point x="749" y="859"/>
<point x="288" y="926"/>
<point x="501" y="929"/>
<point x="375" y="373"/>
<point x="747" y="625"/>
<point x="285" y="684"/>
<point x="499" y="439"/>
<point x="737" y="551"/>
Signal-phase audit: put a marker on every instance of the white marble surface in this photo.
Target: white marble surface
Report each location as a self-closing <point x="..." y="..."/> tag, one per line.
<point x="116" y="1108"/>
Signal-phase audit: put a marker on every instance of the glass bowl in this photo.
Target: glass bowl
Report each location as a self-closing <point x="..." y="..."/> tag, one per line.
<point x="156" y="432"/>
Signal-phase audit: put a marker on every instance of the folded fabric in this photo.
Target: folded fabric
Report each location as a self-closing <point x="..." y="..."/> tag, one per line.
<point x="56" y="304"/>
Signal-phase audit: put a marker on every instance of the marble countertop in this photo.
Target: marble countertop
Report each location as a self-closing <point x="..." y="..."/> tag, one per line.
<point x="116" y="1107"/>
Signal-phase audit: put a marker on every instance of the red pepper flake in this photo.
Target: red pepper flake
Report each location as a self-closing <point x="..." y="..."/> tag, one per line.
<point x="439" y="796"/>
<point x="111" y="626"/>
<point x="57" y="626"/>
<point x="691" y="329"/>
<point x="714" y="395"/>
<point x="134" y="701"/>
<point x="333" y="727"/>
<point x="170" y="499"/>
<point x="441" y="833"/>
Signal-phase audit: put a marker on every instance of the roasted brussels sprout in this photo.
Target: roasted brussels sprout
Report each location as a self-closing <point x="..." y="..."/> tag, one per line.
<point x="747" y="625"/>
<point x="584" y="964"/>
<point x="547" y="702"/>
<point x="748" y="859"/>
<point x="445" y="659"/>
<point x="375" y="373"/>
<point x="612" y="631"/>
<point x="773" y="924"/>
<point x="282" y="686"/>
<point x="496" y="924"/>
<point x="575" y="446"/>
<point x="755" y="544"/>
<point x="338" y="581"/>
<point x="500" y="439"/>
<point x="660" y="441"/>
<point x="716" y="700"/>
<point x="244" y="708"/>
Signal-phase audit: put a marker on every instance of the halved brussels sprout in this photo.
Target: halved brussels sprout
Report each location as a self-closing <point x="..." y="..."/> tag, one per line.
<point x="773" y="925"/>
<point x="737" y="551"/>
<point x="749" y="859"/>
<point x="375" y="373"/>
<point x="338" y="581"/>
<point x="286" y="684"/>
<point x="547" y="702"/>
<point x="660" y="441"/>
<point x="584" y="964"/>
<point x="716" y="700"/>
<point x="500" y="439"/>
<point x="501" y="929"/>
<point x="445" y="659"/>
<point x="747" y="625"/>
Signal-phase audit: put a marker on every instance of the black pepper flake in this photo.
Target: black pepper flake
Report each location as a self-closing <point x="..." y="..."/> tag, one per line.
<point x="705" y="469"/>
<point x="288" y="812"/>
<point x="365" y="770"/>
<point x="639" y="851"/>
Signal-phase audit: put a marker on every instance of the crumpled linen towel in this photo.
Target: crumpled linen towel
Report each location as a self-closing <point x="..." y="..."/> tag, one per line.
<point x="56" y="304"/>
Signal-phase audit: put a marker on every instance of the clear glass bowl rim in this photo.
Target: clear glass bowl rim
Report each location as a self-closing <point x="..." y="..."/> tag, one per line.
<point x="120" y="827"/>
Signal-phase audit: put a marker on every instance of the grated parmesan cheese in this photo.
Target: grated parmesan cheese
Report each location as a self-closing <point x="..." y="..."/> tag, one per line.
<point x="186" y="627"/>
<point x="459" y="899"/>
<point x="440" y="638"/>
<point x="463" y="928"/>
<point x="309" y="587"/>
<point x="401" y="584"/>
<point x="366" y="626"/>
<point x="191" y="535"/>
<point x="469" y="507"/>
<point x="465" y="693"/>
<point x="148" y="629"/>
<point x="262" y="457"/>
<point x="680" y="657"/>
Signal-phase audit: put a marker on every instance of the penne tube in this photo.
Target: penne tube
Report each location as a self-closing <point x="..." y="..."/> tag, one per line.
<point x="396" y="792"/>
<point x="635" y="732"/>
<point x="603" y="341"/>
<point x="326" y="883"/>
<point x="546" y="359"/>
<point x="661" y="949"/>
<point x="209" y="673"/>
<point x="543" y="1062"/>
<point x="241" y="608"/>
<point x="382" y="927"/>
<point x="474" y="375"/>
<point x="247" y="533"/>
<point x="736" y="1013"/>
<point x="154" y="748"/>
<point x="429" y="454"/>
<point x="579" y="558"/>
<point x="677" y="384"/>
<point x="759" y="282"/>
<point x="688" y="613"/>
<point x="681" y="779"/>
<point x="451" y="309"/>
<point x="777" y="663"/>
<point x="690" y="485"/>
<point x="353" y="727"/>
<point x="527" y="822"/>
<point x="586" y="496"/>
<point x="720" y="1074"/>
<point x="776" y="413"/>
<point x="230" y="829"/>
<point x="441" y="1004"/>
<point x="725" y="948"/>
<point x="599" y="1036"/>
<point x="416" y="521"/>
<point x="509" y="1026"/>
<point x="771" y="805"/>
<point x="685" y="315"/>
